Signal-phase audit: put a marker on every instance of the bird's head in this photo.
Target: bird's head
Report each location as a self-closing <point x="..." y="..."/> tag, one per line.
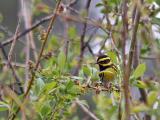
<point x="103" y="60"/>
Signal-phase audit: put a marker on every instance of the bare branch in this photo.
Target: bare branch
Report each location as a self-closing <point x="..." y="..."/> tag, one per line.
<point x="14" y="64"/>
<point x="82" y="42"/>
<point x="86" y="110"/>
<point x="12" y="68"/>
<point x="14" y="42"/>
<point x="47" y="18"/>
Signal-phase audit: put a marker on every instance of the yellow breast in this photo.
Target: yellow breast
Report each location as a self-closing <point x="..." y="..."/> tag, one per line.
<point x="108" y="74"/>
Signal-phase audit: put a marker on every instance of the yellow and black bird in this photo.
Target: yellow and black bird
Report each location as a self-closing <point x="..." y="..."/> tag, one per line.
<point x="108" y="70"/>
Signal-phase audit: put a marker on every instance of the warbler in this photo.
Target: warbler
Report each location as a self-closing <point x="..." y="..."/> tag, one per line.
<point x="108" y="70"/>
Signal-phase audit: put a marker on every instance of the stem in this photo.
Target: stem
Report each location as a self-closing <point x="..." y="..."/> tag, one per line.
<point x="125" y="77"/>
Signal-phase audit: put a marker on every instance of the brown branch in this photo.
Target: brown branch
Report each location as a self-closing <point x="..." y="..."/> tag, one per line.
<point x="103" y="46"/>
<point x="5" y="30"/>
<point x="124" y="38"/>
<point x="12" y="68"/>
<point x="125" y="30"/>
<point x="47" y="18"/>
<point x="86" y="110"/>
<point x="90" y="50"/>
<point x="13" y="64"/>
<point x="89" y="40"/>
<point x="130" y="59"/>
<point x="26" y="19"/>
<point x="14" y="42"/>
<point x="35" y="25"/>
<point x="82" y="42"/>
<point x="39" y="58"/>
<point x="149" y="58"/>
<point x="136" y="56"/>
<point x="133" y="40"/>
<point x="10" y="54"/>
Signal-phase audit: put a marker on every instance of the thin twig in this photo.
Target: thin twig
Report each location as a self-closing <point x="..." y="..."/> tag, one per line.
<point x="14" y="64"/>
<point x="103" y="46"/>
<point x="88" y="41"/>
<point x="86" y="110"/>
<point x="90" y="50"/>
<point x="82" y="42"/>
<point x="149" y="58"/>
<point x="14" y="41"/>
<point x="6" y="30"/>
<point x="12" y="68"/>
<point x="47" y="18"/>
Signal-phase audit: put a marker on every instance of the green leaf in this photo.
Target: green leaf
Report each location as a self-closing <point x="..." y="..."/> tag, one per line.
<point x="158" y="2"/>
<point x="61" y="61"/>
<point x="150" y="1"/>
<point x="158" y="43"/>
<point x="113" y="56"/>
<point x="94" y="76"/>
<point x="71" y="88"/>
<point x="1" y="17"/>
<point x="140" y="108"/>
<point x="69" y="84"/>
<point x="141" y="68"/>
<point x="49" y="86"/>
<point x="39" y="85"/>
<point x="141" y="84"/>
<point x="72" y="32"/>
<point x="145" y="49"/>
<point x="155" y="20"/>
<point x="99" y="5"/>
<point x="2" y="36"/>
<point x="4" y="106"/>
<point x="105" y="11"/>
<point x="86" y="70"/>
<point x="152" y="97"/>
<point x="54" y="41"/>
<point x="45" y="109"/>
<point x="114" y="2"/>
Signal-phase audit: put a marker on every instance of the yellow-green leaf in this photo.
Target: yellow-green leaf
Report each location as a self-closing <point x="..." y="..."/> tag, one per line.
<point x="4" y="106"/>
<point x="139" y="108"/>
<point x="141" y="68"/>
<point x="113" y="56"/>
<point x="152" y="97"/>
<point x="141" y="84"/>
<point x="86" y="70"/>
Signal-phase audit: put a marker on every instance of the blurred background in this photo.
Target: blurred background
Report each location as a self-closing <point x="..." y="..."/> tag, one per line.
<point x="82" y="31"/>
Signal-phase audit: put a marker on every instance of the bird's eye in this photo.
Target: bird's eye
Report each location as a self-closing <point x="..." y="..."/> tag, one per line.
<point x="105" y="61"/>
